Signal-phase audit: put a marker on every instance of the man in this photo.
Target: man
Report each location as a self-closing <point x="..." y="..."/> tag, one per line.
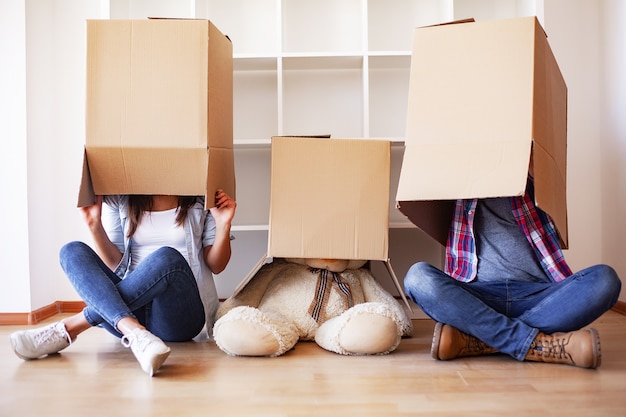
<point x="507" y="288"/>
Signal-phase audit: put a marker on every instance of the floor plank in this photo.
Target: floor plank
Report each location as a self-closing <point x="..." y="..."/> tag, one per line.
<point x="98" y="377"/>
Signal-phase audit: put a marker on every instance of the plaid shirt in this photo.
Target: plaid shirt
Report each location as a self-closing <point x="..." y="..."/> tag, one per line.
<point x="461" y="258"/>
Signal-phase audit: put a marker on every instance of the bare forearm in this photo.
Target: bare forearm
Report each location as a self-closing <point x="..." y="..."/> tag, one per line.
<point x="109" y="253"/>
<point x="92" y="216"/>
<point x="217" y="256"/>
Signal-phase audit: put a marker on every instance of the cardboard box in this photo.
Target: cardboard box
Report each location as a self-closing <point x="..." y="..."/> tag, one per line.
<point x="329" y="199"/>
<point x="487" y="101"/>
<point x="159" y="112"/>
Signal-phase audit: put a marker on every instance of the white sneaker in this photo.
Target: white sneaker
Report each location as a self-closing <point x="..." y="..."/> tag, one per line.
<point x="149" y="350"/>
<point x="35" y="343"/>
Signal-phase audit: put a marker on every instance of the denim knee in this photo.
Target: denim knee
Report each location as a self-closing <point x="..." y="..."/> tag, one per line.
<point x="169" y="259"/>
<point x="169" y="255"/>
<point x="72" y="248"/>
<point x="74" y="253"/>
<point x="611" y="284"/>
<point x="419" y="279"/>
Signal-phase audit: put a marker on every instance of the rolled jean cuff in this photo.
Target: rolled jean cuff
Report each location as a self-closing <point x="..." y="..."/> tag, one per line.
<point x="93" y="322"/>
<point x="520" y="355"/>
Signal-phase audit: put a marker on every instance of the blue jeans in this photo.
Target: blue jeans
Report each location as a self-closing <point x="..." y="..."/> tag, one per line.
<point x="507" y="315"/>
<point x="161" y="292"/>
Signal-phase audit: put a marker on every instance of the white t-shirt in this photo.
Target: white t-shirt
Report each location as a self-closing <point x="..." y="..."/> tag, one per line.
<point x="157" y="229"/>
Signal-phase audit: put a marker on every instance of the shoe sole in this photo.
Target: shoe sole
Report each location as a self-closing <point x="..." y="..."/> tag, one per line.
<point x="158" y="361"/>
<point x="14" y="346"/>
<point x="19" y="355"/>
<point x="597" y="352"/>
<point x="434" y="348"/>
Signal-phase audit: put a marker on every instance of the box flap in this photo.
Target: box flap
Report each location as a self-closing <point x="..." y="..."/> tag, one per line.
<point x="220" y="84"/>
<point x="433" y="217"/>
<point x="550" y="135"/>
<point x="221" y="174"/>
<point x="329" y="198"/>
<point x="396" y="283"/>
<point x="117" y="170"/>
<point x="442" y="171"/>
<point x="86" y="195"/>
<point x="264" y="259"/>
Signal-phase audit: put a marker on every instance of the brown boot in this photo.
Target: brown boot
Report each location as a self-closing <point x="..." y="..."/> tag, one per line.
<point x="450" y="343"/>
<point x="579" y="348"/>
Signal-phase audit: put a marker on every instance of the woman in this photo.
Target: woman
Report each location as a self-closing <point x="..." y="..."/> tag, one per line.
<point x="150" y="279"/>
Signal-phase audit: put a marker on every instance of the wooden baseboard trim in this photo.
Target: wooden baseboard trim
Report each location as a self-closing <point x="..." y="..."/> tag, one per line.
<point x="7" y="319"/>
<point x="620" y="307"/>
<point x="42" y="313"/>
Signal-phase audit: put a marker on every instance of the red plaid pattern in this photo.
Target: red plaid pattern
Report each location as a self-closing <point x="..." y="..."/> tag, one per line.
<point x="461" y="259"/>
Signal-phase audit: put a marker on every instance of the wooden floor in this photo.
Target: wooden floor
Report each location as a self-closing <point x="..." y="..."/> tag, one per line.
<point x="98" y="377"/>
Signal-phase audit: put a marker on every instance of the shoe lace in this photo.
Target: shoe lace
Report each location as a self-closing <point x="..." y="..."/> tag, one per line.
<point x="52" y="334"/>
<point x="474" y="345"/>
<point x="138" y="343"/>
<point x="552" y="348"/>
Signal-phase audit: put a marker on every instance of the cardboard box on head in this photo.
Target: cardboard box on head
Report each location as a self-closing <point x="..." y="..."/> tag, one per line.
<point x="329" y="199"/>
<point x="486" y="102"/>
<point x="159" y="112"/>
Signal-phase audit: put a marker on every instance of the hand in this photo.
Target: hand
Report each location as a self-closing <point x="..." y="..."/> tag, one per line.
<point x="216" y="256"/>
<point x="93" y="214"/>
<point x="224" y="209"/>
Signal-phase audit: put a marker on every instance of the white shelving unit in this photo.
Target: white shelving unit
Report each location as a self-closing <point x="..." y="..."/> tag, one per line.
<point x="305" y="67"/>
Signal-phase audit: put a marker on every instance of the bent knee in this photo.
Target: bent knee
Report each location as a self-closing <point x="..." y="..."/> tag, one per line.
<point x="612" y="283"/>
<point x="420" y="278"/>
<point x="74" y="247"/>
<point x="169" y="253"/>
<point x="603" y="282"/>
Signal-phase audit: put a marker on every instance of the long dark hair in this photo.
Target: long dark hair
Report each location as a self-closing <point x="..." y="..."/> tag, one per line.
<point x="139" y="204"/>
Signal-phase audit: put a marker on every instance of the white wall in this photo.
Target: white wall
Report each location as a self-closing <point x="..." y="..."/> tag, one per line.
<point x="55" y="54"/>
<point x="14" y="280"/>
<point x="42" y="123"/>
<point x="613" y="135"/>
<point x="42" y="43"/>
<point x="589" y="42"/>
<point x="42" y="95"/>
<point x="574" y="34"/>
